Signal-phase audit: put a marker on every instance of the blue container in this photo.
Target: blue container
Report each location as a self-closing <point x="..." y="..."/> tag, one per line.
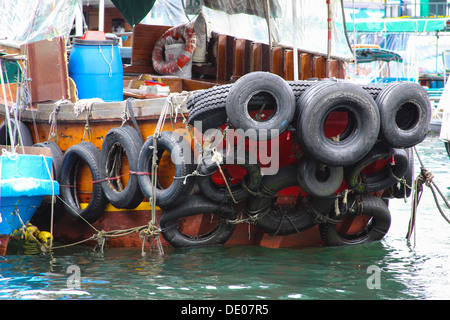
<point x="24" y="182"/>
<point x="96" y="69"/>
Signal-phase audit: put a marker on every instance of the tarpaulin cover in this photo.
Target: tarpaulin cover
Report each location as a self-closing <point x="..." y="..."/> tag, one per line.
<point x="26" y="21"/>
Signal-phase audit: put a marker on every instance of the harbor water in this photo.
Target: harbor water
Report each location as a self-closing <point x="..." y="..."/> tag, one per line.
<point x="393" y="268"/>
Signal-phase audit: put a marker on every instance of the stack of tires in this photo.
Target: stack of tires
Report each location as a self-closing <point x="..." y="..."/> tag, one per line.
<point x="335" y="175"/>
<point x="341" y="150"/>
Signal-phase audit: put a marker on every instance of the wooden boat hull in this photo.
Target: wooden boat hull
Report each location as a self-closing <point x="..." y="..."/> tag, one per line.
<point x="70" y="132"/>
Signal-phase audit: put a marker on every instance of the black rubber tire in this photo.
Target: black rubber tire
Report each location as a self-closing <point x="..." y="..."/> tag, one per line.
<point x="313" y="108"/>
<point x="382" y="179"/>
<point x="318" y="180"/>
<point x="43" y="212"/>
<point x="27" y="138"/>
<point x="404" y="190"/>
<point x="121" y="139"/>
<point x="88" y="153"/>
<point x="57" y="156"/>
<point x="375" y="230"/>
<point x="240" y="191"/>
<point x="299" y="217"/>
<point x="195" y="205"/>
<point x="405" y="112"/>
<point x="182" y="158"/>
<point x="278" y="94"/>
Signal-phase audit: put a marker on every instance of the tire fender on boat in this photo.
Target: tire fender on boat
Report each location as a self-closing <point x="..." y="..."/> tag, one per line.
<point x="240" y="191"/>
<point x="84" y="152"/>
<point x="183" y="32"/>
<point x="25" y="133"/>
<point x="372" y="182"/>
<point x="195" y="205"/>
<point x="375" y="230"/>
<point x="313" y="109"/>
<point x="405" y="112"/>
<point x="182" y="158"/>
<point x="121" y="139"/>
<point x="318" y="180"/>
<point x="273" y="219"/>
<point x="278" y="94"/>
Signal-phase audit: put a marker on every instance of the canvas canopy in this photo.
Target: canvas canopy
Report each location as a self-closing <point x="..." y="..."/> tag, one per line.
<point x="397" y="25"/>
<point x="264" y="21"/>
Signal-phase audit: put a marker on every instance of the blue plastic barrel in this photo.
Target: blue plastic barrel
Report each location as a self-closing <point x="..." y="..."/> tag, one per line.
<point x="96" y="69"/>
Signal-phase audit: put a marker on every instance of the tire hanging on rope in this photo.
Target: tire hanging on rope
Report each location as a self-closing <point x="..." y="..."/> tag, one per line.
<point x="181" y="156"/>
<point x="118" y="141"/>
<point x="315" y="106"/>
<point x="216" y="234"/>
<point x="83" y="153"/>
<point x="335" y="234"/>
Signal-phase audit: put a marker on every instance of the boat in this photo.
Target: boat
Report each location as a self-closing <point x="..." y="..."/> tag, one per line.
<point x="240" y="149"/>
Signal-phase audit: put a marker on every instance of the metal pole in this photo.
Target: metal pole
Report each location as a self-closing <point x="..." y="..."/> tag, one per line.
<point x="101" y="15"/>
<point x="294" y="38"/>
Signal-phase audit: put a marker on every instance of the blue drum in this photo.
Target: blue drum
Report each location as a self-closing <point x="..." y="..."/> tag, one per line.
<point x="96" y="68"/>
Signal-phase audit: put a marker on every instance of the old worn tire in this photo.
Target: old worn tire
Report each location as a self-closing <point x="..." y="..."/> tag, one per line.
<point x="88" y="153"/>
<point x="182" y="158"/>
<point x="318" y="180"/>
<point x="273" y="219"/>
<point x="278" y="95"/>
<point x="375" y="230"/>
<point x="313" y="109"/>
<point x="121" y="139"/>
<point x="382" y="179"/>
<point x="240" y="191"/>
<point x="405" y="112"/>
<point x="196" y="205"/>
<point x="27" y="138"/>
<point x="403" y="190"/>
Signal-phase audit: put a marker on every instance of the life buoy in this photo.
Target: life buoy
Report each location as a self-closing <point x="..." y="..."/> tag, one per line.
<point x="182" y="158"/>
<point x="118" y="140"/>
<point x="405" y="112"/>
<point x="361" y="133"/>
<point x="242" y="189"/>
<point x="381" y="179"/>
<point x="84" y="152"/>
<point x="319" y="180"/>
<point x="196" y="205"/>
<point x="284" y="219"/>
<point x="278" y="104"/>
<point x="374" y="230"/>
<point x="183" y="32"/>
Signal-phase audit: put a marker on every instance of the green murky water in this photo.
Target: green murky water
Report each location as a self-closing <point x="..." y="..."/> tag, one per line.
<point x="390" y="269"/>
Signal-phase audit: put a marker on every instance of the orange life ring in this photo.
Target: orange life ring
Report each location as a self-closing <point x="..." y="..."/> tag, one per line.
<point x="184" y="32"/>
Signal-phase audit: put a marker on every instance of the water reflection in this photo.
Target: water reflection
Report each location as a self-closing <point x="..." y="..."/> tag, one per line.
<point x="418" y="269"/>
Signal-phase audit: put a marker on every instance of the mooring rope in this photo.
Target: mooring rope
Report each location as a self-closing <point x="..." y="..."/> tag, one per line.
<point x="425" y="177"/>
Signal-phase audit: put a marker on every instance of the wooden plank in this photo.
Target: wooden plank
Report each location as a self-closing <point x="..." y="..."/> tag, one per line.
<point x="47" y="69"/>
<point x="277" y="61"/>
<point x="230" y="57"/>
<point x="266" y="57"/>
<point x="221" y="57"/>
<point x="239" y="58"/>
<point x="30" y="150"/>
<point x="319" y="67"/>
<point x="306" y="65"/>
<point x="256" y="63"/>
<point x="144" y="39"/>
<point x="288" y="70"/>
